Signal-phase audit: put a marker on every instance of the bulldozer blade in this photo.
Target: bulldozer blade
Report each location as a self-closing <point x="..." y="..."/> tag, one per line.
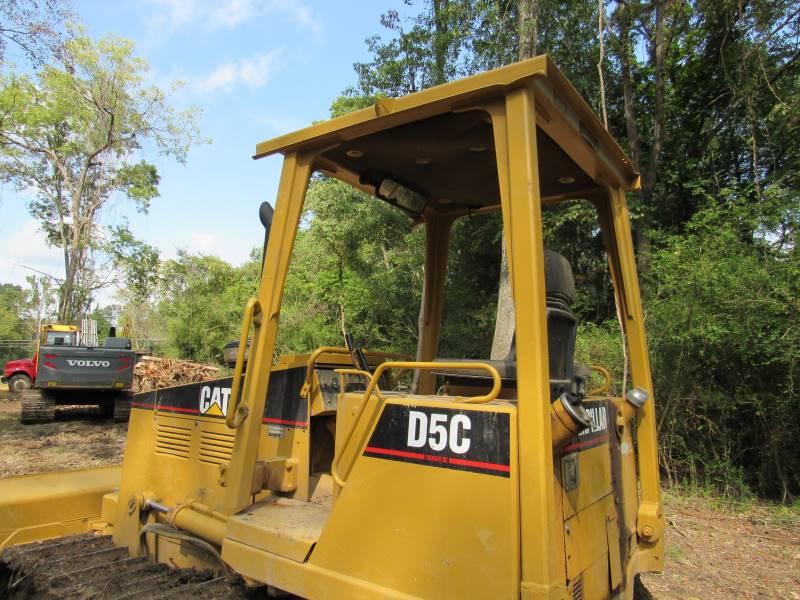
<point x="48" y="505"/>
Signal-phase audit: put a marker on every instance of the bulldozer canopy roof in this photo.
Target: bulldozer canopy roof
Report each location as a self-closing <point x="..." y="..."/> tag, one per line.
<point x="439" y="142"/>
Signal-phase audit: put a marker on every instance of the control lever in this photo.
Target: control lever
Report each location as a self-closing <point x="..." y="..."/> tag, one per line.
<point x="356" y="354"/>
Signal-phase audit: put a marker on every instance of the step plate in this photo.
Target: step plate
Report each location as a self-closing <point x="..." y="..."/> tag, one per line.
<point x="281" y="526"/>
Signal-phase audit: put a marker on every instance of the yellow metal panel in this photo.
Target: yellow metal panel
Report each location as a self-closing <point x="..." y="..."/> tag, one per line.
<point x="586" y="539"/>
<point x="594" y="473"/>
<point x="302" y="579"/>
<point x="424" y="530"/>
<point x="594" y="465"/>
<point x="282" y="526"/>
<point x="53" y="504"/>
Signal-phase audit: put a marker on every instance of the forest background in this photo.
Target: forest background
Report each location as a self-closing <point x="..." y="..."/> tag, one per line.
<point x="704" y="96"/>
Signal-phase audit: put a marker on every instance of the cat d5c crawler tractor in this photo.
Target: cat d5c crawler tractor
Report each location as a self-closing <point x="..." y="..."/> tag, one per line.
<point x="313" y="476"/>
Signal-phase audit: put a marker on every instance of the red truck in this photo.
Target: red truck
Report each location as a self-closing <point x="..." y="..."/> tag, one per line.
<point x="65" y="371"/>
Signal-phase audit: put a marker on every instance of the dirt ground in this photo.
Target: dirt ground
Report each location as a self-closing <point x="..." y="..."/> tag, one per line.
<point x="80" y="437"/>
<point x="714" y="551"/>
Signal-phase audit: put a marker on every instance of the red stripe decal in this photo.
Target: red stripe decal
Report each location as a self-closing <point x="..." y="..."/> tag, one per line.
<point x="284" y="422"/>
<point x="480" y="465"/>
<point x="585" y="444"/>
<point x="51" y="356"/>
<point x="192" y="411"/>
<point x="400" y="453"/>
<point x="141" y="405"/>
<point x="439" y="459"/>
<point x="47" y="363"/>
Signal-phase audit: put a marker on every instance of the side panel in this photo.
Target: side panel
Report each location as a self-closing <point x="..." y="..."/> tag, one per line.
<point x="430" y="507"/>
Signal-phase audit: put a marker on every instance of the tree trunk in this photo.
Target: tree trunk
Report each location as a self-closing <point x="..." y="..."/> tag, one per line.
<point x="440" y="42"/>
<point x="601" y="30"/>
<point x="528" y="29"/>
<point x="641" y="235"/>
<point x="505" y="320"/>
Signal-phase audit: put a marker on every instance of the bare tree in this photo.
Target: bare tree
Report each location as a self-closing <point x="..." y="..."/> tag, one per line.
<point x="33" y="27"/>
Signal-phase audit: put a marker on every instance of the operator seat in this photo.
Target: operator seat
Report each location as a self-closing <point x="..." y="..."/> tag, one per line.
<point x="562" y="327"/>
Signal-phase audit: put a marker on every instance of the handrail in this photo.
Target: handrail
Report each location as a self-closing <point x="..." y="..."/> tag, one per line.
<point x="312" y="360"/>
<point x="433" y="366"/>
<point x="605" y="386"/>
<point x="236" y="414"/>
<point x="365" y="374"/>
<point x="425" y="366"/>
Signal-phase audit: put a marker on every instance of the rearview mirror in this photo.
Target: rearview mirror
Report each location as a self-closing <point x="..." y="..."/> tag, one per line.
<point x="265" y="214"/>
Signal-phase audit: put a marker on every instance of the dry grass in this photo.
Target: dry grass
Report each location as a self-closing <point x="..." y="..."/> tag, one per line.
<point x="80" y="437"/>
<point x="716" y="551"/>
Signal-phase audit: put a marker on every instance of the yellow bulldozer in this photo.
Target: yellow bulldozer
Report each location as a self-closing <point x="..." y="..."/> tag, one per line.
<point x="312" y="476"/>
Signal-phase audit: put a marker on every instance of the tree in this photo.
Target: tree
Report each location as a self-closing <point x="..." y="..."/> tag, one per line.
<point x="32" y="26"/>
<point x="72" y="135"/>
<point x="201" y="300"/>
<point x="42" y="301"/>
<point x="13" y="303"/>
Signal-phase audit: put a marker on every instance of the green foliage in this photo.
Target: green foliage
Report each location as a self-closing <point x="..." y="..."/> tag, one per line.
<point x="139" y="262"/>
<point x="201" y="302"/>
<point x="22" y="310"/>
<point x="471" y="288"/>
<point x="13" y="302"/>
<point x="725" y="344"/>
<point x="359" y="274"/>
<point x="601" y="344"/>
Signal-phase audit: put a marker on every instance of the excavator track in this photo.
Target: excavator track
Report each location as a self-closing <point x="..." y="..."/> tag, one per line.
<point x="122" y="407"/>
<point x="36" y="408"/>
<point x="89" y="566"/>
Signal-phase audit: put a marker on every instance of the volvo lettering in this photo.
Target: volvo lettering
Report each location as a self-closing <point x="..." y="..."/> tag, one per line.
<point x="88" y="363"/>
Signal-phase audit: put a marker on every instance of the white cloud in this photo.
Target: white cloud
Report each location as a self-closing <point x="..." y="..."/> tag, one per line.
<point x="175" y="13"/>
<point x="253" y="72"/>
<point x="232" y="13"/>
<point x="172" y="15"/>
<point x="298" y="13"/>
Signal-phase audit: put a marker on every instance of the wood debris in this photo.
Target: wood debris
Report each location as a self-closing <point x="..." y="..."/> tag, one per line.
<point x="153" y="372"/>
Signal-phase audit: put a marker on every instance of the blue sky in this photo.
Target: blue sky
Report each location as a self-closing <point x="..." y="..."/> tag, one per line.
<point x="257" y="68"/>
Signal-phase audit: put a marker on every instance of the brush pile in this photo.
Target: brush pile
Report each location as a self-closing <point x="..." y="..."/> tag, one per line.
<point x="153" y="372"/>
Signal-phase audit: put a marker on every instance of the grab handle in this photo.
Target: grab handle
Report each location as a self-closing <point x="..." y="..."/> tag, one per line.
<point x="236" y="413"/>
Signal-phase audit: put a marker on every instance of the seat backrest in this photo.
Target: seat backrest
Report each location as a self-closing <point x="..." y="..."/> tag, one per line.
<point x="562" y="325"/>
